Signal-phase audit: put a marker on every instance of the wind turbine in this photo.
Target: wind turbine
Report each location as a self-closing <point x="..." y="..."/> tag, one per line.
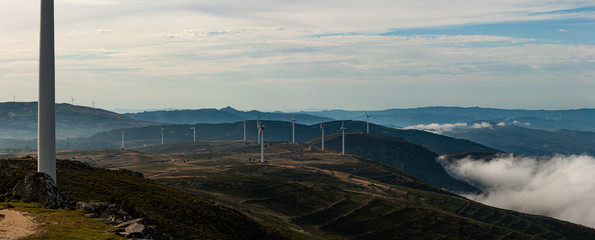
<point x="93" y="103"/>
<point x="292" y="128"/>
<point x="123" y="139"/>
<point x="342" y="129"/>
<point x="193" y="132"/>
<point x="46" y="131"/>
<point x="162" y="134"/>
<point x="368" y="123"/>
<point x="322" y="125"/>
<point x="72" y="100"/>
<point x="258" y="125"/>
<point x="262" y="127"/>
<point x="244" y="130"/>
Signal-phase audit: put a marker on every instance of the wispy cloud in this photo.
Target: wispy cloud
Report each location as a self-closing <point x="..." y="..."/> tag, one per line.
<point x="299" y="46"/>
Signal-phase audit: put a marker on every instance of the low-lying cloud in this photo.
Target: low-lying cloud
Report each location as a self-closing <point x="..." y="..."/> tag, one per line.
<point x="562" y="187"/>
<point x="437" y="128"/>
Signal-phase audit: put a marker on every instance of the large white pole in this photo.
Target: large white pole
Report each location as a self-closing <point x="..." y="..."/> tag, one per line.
<point x="194" y="132"/>
<point x="323" y="137"/>
<point x="343" y="142"/>
<point x="262" y="145"/>
<point x="244" y="130"/>
<point x="46" y="131"/>
<point x="292" y="131"/>
<point x="122" y="139"/>
<point x="259" y="130"/>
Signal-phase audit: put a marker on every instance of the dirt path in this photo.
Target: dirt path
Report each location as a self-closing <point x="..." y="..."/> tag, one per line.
<point x="15" y="225"/>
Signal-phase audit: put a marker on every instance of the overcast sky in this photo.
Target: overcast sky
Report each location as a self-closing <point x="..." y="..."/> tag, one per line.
<point x="291" y="55"/>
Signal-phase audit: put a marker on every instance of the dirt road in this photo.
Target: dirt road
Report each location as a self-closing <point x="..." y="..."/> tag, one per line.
<point x="15" y="225"/>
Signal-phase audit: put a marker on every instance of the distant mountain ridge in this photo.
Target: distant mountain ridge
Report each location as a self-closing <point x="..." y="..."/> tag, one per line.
<point x="575" y="119"/>
<point x="223" y="115"/>
<point x="526" y="141"/>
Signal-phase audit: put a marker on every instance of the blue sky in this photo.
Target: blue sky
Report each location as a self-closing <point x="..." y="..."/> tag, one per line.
<point x="326" y="54"/>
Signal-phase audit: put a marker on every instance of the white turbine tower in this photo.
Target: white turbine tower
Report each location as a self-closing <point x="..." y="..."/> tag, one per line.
<point x="46" y="130"/>
<point x="244" y="130"/>
<point x="262" y="127"/>
<point x="162" y="134"/>
<point x="93" y="103"/>
<point x="343" y="137"/>
<point x="123" y="139"/>
<point x="193" y="132"/>
<point x="292" y="128"/>
<point x="72" y="100"/>
<point x="322" y="125"/>
<point x="258" y="125"/>
<point x="368" y="123"/>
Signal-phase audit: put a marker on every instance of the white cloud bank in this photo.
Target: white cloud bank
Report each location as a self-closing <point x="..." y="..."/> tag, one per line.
<point x="437" y="128"/>
<point x="446" y="127"/>
<point x="562" y="187"/>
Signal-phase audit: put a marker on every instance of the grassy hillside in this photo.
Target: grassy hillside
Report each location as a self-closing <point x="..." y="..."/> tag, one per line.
<point x="309" y="194"/>
<point x="61" y="224"/>
<point x="179" y="214"/>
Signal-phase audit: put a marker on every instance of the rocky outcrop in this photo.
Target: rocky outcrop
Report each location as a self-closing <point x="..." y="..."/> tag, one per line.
<point x="138" y="229"/>
<point x="39" y="187"/>
<point x="108" y="213"/>
<point x="125" y="226"/>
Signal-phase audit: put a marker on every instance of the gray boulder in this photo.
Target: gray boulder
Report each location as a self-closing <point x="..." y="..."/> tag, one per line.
<point x="39" y="187"/>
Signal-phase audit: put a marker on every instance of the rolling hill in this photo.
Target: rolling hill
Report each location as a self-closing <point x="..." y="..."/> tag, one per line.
<point x="18" y="120"/>
<point x="276" y="131"/>
<point x="398" y="153"/>
<point x="305" y="193"/>
<point x="526" y="141"/>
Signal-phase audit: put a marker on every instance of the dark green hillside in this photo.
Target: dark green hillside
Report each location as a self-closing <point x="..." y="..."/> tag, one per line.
<point x="179" y="214"/>
<point x="439" y="144"/>
<point x="18" y="120"/>
<point x="411" y="158"/>
<point x="309" y="194"/>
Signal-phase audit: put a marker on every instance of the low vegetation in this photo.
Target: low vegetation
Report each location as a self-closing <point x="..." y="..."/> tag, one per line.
<point x="62" y="224"/>
<point x="179" y="214"/>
